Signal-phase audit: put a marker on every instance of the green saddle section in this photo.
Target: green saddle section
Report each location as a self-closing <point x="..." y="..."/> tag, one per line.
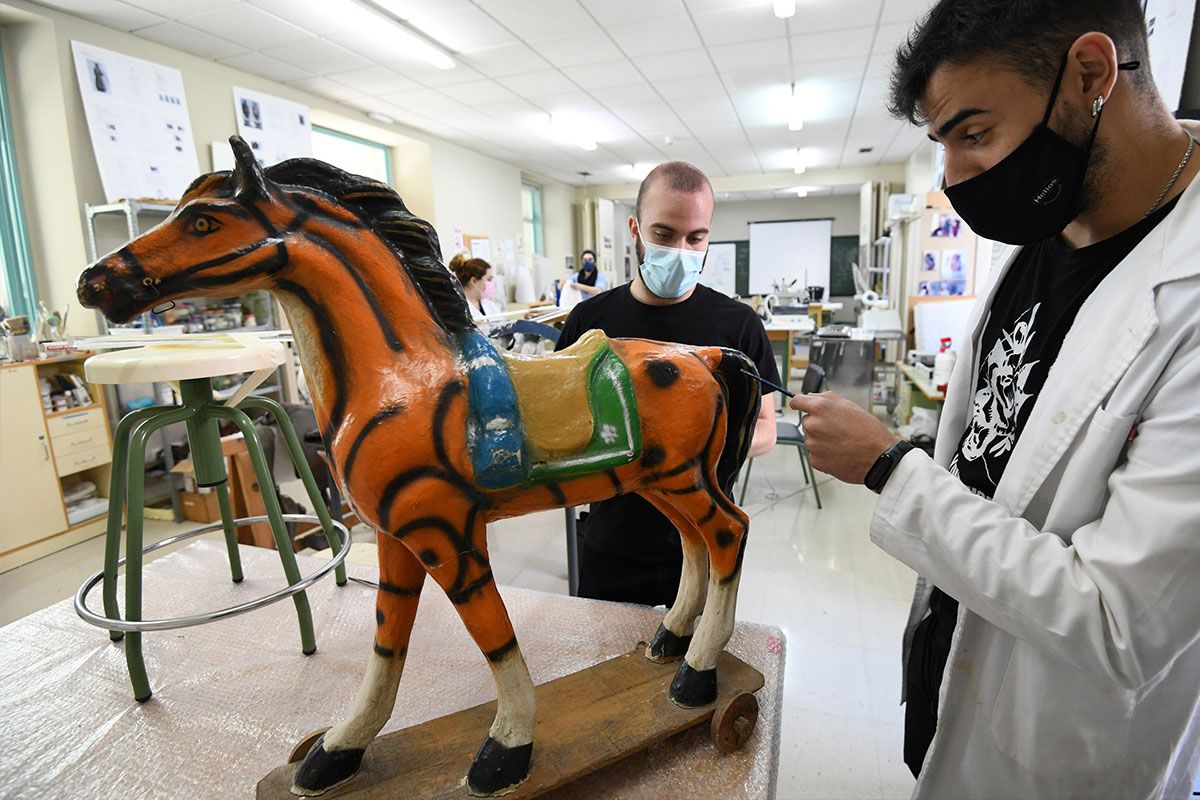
<point x="616" y="430"/>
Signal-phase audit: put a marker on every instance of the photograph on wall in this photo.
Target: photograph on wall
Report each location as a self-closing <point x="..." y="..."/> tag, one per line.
<point x="925" y="288"/>
<point x="276" y="129"/>
<point x="930" y="261"/>
<point x="954" y="265"/>
<point x="138" y="121"/>
<point x="945" y="226"/>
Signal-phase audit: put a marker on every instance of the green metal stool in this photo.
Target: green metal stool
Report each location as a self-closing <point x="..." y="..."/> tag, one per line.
<point x="194" y="366"/>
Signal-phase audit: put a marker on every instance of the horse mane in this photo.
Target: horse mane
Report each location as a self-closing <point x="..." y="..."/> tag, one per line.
<point x="413" y="239"/>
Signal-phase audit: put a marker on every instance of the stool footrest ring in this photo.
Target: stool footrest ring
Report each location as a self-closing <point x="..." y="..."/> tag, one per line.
<point x="199" y="619"/>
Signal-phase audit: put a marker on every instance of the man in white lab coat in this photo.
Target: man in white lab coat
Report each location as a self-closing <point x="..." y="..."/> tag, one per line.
<point x="1053" y="648"/>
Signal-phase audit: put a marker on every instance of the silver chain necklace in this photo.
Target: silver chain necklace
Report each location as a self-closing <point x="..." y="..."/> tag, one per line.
<point x="1178" y="171"/>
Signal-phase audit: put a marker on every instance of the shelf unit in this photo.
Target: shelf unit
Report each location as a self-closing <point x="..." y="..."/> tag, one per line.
<point x="44" y="454"/>
<point x="132" y="212"/>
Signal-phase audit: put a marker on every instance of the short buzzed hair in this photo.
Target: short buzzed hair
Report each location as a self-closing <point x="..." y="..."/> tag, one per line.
<point x="679" y="176"/>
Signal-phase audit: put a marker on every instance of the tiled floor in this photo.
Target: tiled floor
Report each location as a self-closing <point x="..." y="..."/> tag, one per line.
<point x="840" y="601"/>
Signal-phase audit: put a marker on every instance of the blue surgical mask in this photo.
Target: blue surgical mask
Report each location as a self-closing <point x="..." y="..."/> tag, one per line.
<point x="670" y="272"/>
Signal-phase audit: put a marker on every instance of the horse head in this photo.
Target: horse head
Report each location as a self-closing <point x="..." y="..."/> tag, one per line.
<point x="225" y="238"/>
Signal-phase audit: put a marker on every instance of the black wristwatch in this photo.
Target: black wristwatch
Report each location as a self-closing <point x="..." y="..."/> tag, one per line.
<point x="879" y="472"/>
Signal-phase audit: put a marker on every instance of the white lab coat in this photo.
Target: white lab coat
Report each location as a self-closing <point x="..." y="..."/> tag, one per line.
<point x="1075" y="666"/>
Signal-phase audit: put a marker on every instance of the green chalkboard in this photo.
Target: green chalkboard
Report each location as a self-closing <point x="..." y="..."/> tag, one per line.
<point x="741" y="265"/>
<point x="843" y="253"/>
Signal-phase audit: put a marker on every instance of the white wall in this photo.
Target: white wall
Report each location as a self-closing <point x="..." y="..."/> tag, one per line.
<point x="558" y="227"/>
<point x="731" y="219"/>
<point x="479" y="193"/>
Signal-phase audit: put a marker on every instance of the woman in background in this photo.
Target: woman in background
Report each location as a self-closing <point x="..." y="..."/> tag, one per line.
<point x="588" y="280"/>
<point x="475" y="275"/>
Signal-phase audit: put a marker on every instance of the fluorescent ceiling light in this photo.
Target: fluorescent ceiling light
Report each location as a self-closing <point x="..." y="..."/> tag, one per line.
<point x="802" y="193"/>
<point x="784" y="8"/>
<point x="795" y="111"/>
<point x="410" y="40"/>
<point x="572" y="128"/>
<point x="801" y="163"/>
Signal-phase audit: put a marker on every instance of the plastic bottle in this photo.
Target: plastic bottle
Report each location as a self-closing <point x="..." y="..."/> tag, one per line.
<point x="943" y="365"/>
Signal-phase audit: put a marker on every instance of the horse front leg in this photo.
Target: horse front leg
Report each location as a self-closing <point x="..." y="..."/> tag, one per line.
<point x="674" y="635"/>
<point x="336" y="756"/>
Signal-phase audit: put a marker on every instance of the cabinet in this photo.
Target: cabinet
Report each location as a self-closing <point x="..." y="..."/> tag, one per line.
<point x="43" y="454"/>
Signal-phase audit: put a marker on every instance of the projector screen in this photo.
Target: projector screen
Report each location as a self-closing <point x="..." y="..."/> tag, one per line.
<point x="788" y="250"/>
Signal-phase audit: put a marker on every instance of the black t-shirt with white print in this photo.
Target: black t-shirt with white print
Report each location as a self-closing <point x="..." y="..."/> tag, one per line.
<point x="1031" y="313"/>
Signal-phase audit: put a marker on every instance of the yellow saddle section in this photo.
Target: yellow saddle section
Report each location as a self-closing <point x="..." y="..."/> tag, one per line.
<point x="552" y="393"/>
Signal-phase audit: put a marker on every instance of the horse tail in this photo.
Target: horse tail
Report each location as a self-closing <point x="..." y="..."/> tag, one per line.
<point x="743" y="397"/>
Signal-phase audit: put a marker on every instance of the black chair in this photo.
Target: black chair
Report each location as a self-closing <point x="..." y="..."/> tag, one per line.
<point x="788" y="434"/>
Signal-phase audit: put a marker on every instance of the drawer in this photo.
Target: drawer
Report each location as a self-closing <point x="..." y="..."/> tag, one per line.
<point x="76" y="421"/>
<point x="84" y="459"/>
<point x="77" y="441"/>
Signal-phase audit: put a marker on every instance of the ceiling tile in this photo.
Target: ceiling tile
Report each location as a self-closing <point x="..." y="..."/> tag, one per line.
<point x="170" y="9"/>
<point x="536" y="19"/>
<point x="587" y="47"/>
<point x="830" y="15"/>
<point x="879" y="65"/>
<point x="890" y="37"/>
<point x="535" y="84"/>
<point x="655" y="36"/>
<point x="713" y="112"/>
<point x="832" y="69"/>
<point x="704" y="6"/>
<point x="509" y="59"/>
<point x="758" y="79"/>
<point x="247" y="26"/>
<point x="617" y="12"/>
<point x="110" y="13"/>
<point x="650" y="119"/>
<point x="319" y="56"/>
<point x="327" y="88"/>
<point x="699" y="86"/>
<point x="748" y="55"/>
<point x="374" y="80"/>
<point x="833" y="44"/>
<point x="266" y="67"/>
<point x="744" y="24"/>
<point x="604" y="74"/>
<point x="190" y="40"/>
<point x="474" y="93"/>
<point x="629" y="94"/>
<point x="740" y="163"/>
<point x="429" y="75"/>
<point x="461" y="28"/>
<point x="517" y="112"/>
<point x="908" y="11"/>
<point x="683" y="64"/>
<point x="322" y="17"/>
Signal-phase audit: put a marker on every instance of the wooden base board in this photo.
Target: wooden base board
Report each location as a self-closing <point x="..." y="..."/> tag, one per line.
<point x="586" y="720"/>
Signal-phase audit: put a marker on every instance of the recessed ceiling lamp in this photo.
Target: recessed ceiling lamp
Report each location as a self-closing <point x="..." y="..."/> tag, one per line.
<point x="802" y="192"/>
<point x="784" y="8"/>
<point x="795" y="112"/>
<point x="410" y="40"/>
<point x="379" y="116"/>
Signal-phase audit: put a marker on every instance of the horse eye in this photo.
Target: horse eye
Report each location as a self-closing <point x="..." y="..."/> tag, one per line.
<point x="203" y="224"/>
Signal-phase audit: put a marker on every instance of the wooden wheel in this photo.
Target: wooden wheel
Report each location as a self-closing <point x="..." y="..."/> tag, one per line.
<point x="733" y="721"/>
<point x="304" y="745"/>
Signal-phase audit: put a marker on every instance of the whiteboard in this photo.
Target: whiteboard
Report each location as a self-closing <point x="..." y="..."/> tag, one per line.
<point x="787" y="250"/>
<point x="720" y="268"/>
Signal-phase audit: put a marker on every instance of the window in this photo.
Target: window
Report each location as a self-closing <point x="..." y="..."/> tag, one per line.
<point x="531" y="210"/>
<point x="359" y="156"/>
<point x="18" y="289"/>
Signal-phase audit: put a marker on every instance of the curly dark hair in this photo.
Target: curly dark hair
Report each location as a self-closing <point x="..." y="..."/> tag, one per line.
<point x="1029" y="37"/>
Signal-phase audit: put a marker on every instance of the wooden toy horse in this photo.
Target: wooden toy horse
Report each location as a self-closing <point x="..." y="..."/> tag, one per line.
<point x="433" y="433"/>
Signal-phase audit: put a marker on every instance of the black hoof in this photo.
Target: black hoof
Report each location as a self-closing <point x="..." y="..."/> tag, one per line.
<point x="498" y="769"/>
<point x="666" y="646"/>
<point x="693" y="689"/>
<point x="321" y="770"/>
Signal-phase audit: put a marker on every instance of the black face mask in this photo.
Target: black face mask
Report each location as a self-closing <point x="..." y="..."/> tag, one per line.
<point x="1036" y="190"/>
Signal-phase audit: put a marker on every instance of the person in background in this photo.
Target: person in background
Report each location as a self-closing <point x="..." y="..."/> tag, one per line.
<point x="630" y="552"/>
<point x="1053" y="647"/>
<point x="589" y="281"/>
<point x="478" y="285"/>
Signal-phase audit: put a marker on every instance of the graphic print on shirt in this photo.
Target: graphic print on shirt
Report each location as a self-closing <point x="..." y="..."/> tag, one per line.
<point x="992" y="431"/>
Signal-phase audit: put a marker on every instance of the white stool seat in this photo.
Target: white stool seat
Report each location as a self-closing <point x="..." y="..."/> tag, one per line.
<point x="178" y="362"/>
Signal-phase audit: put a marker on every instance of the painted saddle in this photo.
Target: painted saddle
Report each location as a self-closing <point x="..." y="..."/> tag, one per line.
<point x="585" y="420"/>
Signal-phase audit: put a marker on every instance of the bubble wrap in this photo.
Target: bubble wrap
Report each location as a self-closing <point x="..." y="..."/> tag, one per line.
<point x="231" y="698"/>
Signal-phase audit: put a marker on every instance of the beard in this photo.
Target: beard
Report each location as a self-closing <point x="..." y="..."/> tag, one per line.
<point x="1076" y="127"/>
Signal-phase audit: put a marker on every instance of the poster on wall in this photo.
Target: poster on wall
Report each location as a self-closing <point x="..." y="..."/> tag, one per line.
<point x="137" y="117"/>
<point x="276" y="129"/>
<point x="1169" y="25"/>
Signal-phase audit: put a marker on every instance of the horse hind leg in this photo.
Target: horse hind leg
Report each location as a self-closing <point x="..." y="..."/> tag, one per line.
<point x="336" y="756"/>
<point x="670" y="642"/>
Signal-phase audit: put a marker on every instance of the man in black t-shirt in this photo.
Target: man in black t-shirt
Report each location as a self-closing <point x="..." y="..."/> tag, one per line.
<point x="630" y="552"/>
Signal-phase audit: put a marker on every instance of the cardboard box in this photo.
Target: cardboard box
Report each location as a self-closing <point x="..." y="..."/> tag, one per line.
<point x="200" y="507"/>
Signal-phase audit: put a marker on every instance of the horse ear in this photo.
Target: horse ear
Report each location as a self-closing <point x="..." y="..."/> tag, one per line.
<point x="248" y="178"/>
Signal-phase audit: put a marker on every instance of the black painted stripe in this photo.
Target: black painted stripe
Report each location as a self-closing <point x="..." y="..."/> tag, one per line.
<point x="464" y="595"/>
<point x="556" y="490"/>
<point x="501" y="651"/>
<point x="331" y="344"/>
<point x="400" y="591"/>
<point x="616" y="482"/>
<point x="381" y="318"/>
<point x="385" y="652"/>
<point x="371" y="425"/>
<point x="712" y="512"/>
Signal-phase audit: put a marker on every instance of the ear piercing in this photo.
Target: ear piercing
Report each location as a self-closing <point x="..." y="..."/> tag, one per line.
<point x="1097" y="105"/>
